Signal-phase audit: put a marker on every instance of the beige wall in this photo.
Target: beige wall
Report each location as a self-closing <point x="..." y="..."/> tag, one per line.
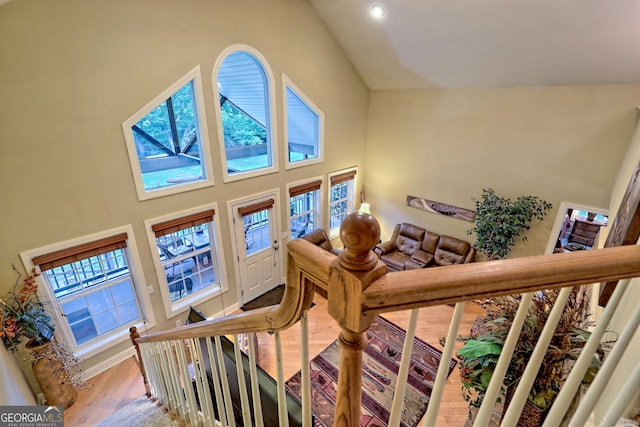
<point x="446" y="145"/>
<point x="74" y="70"/>
<point x="631" y="299"/>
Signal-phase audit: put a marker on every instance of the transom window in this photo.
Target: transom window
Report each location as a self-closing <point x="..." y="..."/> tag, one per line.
<point x="304" y="128"/>
<point x="304" y="202"/>
<point x="244" y="87"/>
<point x="93" y="286"/>
<point x="341" y="199"/>
<point x="167" y="141"/>
<point x="187" y="260"/>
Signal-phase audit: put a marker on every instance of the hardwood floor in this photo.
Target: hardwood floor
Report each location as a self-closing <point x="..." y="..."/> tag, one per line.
<point x="106" y="393"/>
<point x="116" y="387"/>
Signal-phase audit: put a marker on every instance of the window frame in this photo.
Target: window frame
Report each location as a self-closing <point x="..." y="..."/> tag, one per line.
<point x="287" y="84"/>
<point x="174" y="308"/>
<point x="319" y="200"/>
<point x="109" y="339"/>
<point x="271" y="112"/>
<point x="351" y="198"/>
<point x="202" y="132"/>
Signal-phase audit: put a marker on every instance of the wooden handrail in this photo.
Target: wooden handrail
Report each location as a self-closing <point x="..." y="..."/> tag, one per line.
<point x="465" y="282"/>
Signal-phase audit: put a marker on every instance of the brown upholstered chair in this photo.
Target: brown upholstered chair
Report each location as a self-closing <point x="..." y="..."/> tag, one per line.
<point x="397" y="251"/>
<point x="319" y="238"/>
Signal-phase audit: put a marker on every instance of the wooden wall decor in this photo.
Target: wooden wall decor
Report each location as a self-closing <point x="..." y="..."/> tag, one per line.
<point x="625" y="229"/>
<point x="441" y="208"/>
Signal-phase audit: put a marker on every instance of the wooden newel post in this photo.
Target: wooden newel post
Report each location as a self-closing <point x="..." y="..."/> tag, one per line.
<point x="133" y="334"/>
<point x="354" y="270"/>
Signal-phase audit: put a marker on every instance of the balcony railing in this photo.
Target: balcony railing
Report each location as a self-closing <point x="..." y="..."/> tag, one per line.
<point x="193" y="381"/>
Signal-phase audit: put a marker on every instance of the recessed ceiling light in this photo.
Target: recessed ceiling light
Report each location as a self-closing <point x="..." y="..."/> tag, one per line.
<point x="377" y="11"/>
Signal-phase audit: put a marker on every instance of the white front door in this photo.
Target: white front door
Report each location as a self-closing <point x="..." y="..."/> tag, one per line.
<point x="255" y="229"/>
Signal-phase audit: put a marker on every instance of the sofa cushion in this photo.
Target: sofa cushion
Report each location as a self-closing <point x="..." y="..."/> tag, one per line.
<point x="451" y="251"/>
<point x="396" y="260"/>
<point x="411" y="231"/>
<point x="409" y="238"/>
<point x="447" y="258"/>
<point x="422" y="258"/>
<point x="406" y="245"/>
<point x="430" y="242"/>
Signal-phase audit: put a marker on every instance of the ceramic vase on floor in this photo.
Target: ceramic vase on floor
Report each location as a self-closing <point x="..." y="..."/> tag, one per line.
<point x="52" y="378"/>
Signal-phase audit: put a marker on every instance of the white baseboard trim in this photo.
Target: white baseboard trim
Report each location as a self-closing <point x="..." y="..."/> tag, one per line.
<point x="226" y="311"/>
<point x="108" y="363"/>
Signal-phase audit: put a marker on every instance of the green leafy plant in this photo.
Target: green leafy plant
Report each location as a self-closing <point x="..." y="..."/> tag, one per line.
<point x="479" y="357"/>
<point x="500" y="221"/>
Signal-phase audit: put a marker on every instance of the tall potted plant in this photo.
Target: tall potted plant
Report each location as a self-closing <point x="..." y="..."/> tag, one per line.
<point x="500" y="221"/>
<point x="480" y="353"/>
<point x="24" y="317"/>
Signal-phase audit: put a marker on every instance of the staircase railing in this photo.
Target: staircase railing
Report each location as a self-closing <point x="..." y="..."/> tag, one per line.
<point x="359" y="289"/>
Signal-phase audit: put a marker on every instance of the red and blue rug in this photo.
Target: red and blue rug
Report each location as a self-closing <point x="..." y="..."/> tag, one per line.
<point x="380" y="364"/>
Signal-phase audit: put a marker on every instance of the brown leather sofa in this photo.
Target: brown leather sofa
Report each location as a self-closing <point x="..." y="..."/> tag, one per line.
<point x="412" y="247"/>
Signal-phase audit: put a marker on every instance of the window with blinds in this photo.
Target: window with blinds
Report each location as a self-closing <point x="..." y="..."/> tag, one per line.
<point x="341" y="199"/>
<point x="304" y="127"/>
<point x="304" y="212"/>
<point x="93" y="286"/>
<point x="187" y="257"/>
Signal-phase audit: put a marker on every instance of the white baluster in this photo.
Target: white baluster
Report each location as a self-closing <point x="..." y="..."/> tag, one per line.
<point x="153" y="358"/>
<point x="215" y="372"/>
<point x="242" y="386"/>
<point x="283" y="416"/>
<point x="202" y="383"/>
<point x="403" y="371"/>
<point x="305" y="374"/>
<point x="519" y="399"/>
<point x="623" y="399"/>
<point x="443" y="368"/>
<point x="484" y="413"/>
<point x="169" y="402"/>
<point x="255" y="385"/>
<point x="172" y="379"/>
<point x="225" y="383"/>
<point x="569" y="388"/>
<point x="187" y="386"/>
<point x="611" y="361"/>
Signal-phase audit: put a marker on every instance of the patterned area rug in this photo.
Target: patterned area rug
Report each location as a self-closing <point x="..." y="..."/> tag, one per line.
<point x="380" y="364"/>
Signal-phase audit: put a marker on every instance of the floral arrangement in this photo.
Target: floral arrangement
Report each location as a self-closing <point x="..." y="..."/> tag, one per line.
<point x="22" y="315"/>
<point x="481" y="350"/>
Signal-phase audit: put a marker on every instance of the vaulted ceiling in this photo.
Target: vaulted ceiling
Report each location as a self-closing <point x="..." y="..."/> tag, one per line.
<point x="461" y="43"/>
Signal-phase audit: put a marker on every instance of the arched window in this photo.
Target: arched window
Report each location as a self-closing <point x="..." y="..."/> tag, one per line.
<point x="244" y="87"/>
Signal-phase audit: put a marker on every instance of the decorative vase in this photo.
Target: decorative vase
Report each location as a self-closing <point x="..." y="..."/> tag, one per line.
<point x="52" y="378"/>
<point x="531" y="415"/>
